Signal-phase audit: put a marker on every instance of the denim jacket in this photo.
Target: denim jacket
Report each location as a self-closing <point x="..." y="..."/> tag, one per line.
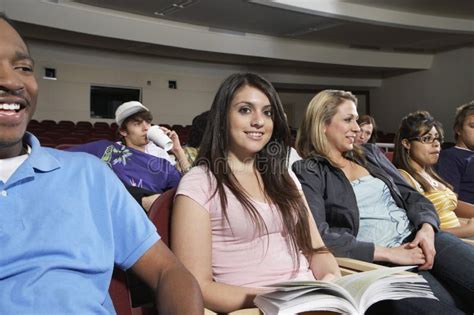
<point x="334" y="206"/>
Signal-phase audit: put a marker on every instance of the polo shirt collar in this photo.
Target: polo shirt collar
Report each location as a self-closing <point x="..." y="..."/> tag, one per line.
<point x="40" y="159"/>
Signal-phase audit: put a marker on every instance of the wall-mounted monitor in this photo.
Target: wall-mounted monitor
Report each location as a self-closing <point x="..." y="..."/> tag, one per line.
<point x="106" y="99"/>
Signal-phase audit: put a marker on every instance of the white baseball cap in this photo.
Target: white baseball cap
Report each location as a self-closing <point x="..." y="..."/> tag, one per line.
<point x="128" y="109"/>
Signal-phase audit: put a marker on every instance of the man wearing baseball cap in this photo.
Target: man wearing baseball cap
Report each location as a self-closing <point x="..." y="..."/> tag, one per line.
<point x="134" y="120"/>
<point x="144" y="168"/>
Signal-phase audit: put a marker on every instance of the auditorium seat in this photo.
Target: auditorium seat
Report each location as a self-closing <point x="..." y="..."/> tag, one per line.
<point x="100" y="137"/>
<point x="66" y="124"/>
<point x="46" y="140"/>
<point x="82" y="133"/>
<point x="36" y="129"/>
<point x="34" y="122"/>
<point x="101" y="125"/>
<point x="160" y="214"/>
<point x="119" y="294"/>
<point x="64" y="146"/>
<point x="71" y="140"/>
<point x="83" y="125"/>
<point x="48" y="122"/>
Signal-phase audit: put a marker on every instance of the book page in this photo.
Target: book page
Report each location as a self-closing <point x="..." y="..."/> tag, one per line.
<point x="396" y="287"/>
<point x="350" y="294"/>
<point x="292" y="289"/>
<point x="309" y="302"/>
<point x="356" y="284"/>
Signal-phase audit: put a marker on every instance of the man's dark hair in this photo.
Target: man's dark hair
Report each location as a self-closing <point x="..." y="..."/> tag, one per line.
<point x="461" y="113"/>
<point x="197" y="129"/>
<point x="4" y="17"/>
<point x="139" y="117"/>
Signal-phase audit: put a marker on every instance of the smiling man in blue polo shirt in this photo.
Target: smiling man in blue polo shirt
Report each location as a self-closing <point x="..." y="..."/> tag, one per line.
<point x="66" y="219"/>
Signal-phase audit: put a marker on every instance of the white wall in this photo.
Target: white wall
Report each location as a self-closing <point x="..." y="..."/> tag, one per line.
<point x="295" y="105"/>
<point x="448" y="84"/>
<point x="78" y="68"/>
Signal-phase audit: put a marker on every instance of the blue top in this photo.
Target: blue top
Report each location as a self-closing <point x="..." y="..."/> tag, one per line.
<point x="381" y="220"/>
<point x="133" y="167"/>
<point x="456" y="166"/>
<point x="65" y="220"/>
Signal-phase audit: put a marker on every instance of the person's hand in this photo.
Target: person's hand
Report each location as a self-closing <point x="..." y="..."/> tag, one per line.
<point x="404" y="254"/>
<point x="174" y="137"/>
<point x="424" y="239"/>
<point x="177" y="150"/>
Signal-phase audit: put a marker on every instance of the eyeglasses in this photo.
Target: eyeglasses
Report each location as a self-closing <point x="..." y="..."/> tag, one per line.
<point x="428" y="139"/>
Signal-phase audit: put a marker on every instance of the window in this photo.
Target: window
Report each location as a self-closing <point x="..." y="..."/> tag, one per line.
<point x="106" y="99"/>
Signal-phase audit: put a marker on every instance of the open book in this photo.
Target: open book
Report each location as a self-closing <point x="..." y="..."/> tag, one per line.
<point x="352" y="294"/>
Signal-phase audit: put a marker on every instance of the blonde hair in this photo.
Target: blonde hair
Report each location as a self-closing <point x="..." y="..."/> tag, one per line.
<point x="311" y="138"/>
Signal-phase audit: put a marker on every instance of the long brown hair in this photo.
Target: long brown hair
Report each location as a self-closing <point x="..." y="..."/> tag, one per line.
<point x="311" y="138"/>
<point x="416" y="124"/>
<point x="271" y="163"/>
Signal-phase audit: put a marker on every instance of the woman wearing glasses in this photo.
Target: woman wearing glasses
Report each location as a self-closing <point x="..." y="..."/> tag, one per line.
<point x="417" y="148"/>
<point x="364" y="209"/>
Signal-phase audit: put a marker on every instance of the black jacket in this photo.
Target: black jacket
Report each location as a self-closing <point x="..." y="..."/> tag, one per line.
<point x="334" y="206"/>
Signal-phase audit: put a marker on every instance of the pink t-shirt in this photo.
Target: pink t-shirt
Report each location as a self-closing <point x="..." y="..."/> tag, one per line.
<point x="241" y="256"/>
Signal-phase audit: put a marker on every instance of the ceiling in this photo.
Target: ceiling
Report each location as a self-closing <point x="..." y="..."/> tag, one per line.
<point x="239" y="16"/>
<point x="248" y="17"/>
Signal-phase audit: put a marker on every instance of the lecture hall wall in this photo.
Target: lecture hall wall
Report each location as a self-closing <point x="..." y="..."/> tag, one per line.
<point x="448" y="84"/>
<point x="440" y="89"/>
<point x="78" y="68"/>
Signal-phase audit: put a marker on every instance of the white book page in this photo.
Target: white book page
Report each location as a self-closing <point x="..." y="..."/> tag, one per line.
<point x="356" y="284"/>
<point x="290" y="290"/>
<point x="396" y="287"/>
<point x="310" y="302"/>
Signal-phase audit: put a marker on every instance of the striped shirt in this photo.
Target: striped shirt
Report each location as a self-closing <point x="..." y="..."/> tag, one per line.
<point x="444" y="201"/>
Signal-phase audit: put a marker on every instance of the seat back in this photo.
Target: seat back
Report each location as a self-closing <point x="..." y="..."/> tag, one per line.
<point x="160" y="214"/>
<point x="389" y="155"/>
<point x="119" y="293"/>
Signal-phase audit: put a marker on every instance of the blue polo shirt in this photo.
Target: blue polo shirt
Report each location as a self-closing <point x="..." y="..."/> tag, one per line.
<point x="65" y="220"/>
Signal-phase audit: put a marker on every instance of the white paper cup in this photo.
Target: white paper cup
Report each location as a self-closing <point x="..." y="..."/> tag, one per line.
<point x="158" y="137"/>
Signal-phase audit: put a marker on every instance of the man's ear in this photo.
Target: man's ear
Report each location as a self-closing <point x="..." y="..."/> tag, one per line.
<point x="457" y="131"/>
<point x="406" y="144"/>
<point x="123" y="132"/>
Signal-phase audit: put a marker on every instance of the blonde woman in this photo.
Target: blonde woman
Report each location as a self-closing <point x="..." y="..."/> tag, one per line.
<point x="364" y="209"/>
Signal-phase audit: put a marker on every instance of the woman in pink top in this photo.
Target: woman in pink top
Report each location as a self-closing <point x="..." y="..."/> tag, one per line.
<point x="240" y="220"/>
